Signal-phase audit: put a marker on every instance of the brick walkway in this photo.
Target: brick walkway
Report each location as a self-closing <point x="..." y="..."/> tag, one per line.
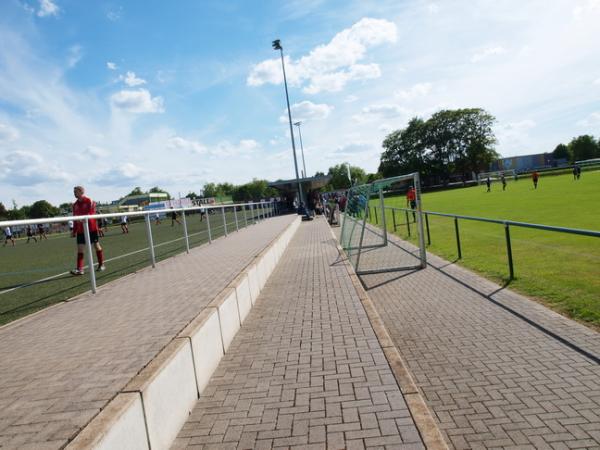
<point x="61" y="366"/>
<point x="486" y="360"/>
<point x="305" y="370"/>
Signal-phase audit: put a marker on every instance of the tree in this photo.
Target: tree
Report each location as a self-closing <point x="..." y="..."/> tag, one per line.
<point x="339" y="176"/>
<point x="449" y="142"/>
<point x="319" y="174"/>
<point x="584" y="147"/>
<point x="42" y="209"/>
<point x="136" y="191"/>
<point x="253" y="191"/>
<point x="3" y="211"/>
<point x="192" y="195"/>
<point x="209" y="190"/>
<point x="561" y="152"/>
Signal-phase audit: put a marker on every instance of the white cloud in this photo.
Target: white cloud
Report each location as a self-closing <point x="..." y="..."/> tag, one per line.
<point x="47" y="8"/>
<point x="593" y="120"/>
<point x="433" y="8"/>
<point x="127" y="174"/>
<point x="350" y="98"/>
<point x="131" y="80"/>
<point x="418" y="90"/>
<point x="244" y="149"/>
<point x="111" y="65"/>
<point x="307" y="110"/>
<point x="26" y="168"/>
<point x="329" y="67"/>
<point x="353" y="148"/>
<point x="381" y="111"/>
<point x="91" y="151"/>
<point x="586" y="8"/>
<point x="8" y="133"/>
<point x="597" y="81"/>
<point x="179" y="143"/>
<point x="75" y="55"/>
<point x="137" y="101"/>
<point x="115" y="14"/>
<point x="488" y="52"/>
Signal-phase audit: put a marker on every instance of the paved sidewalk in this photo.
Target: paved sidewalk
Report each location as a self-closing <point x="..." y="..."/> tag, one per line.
<point x="497" y="369"/>
<point x="61" y="366"/>
<point x="306" y="369"/>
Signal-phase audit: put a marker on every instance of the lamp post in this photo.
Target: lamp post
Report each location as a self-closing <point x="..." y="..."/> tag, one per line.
<point x="277" y="46"/>
<point x="301" y="147"/>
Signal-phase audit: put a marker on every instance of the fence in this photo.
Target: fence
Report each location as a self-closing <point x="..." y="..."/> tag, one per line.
<point x="406" y="212"/>
<point x="220" y="220"/>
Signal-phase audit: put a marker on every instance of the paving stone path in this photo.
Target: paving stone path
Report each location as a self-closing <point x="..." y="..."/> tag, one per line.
<point x="306" y="369"/>
<point x="497" y="369"/>
<point x="60" y="367"/>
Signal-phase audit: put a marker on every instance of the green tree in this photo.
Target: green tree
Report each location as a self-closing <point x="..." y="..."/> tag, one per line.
<point x="339" y="176"/>
<point x="225" y="188"/>
<point x="42" y="209"/>
<point x="319" y="174"/>
<point x="584" y="147"/>
<point x="404" y="150"/>
<point x="209" y="190"/>
<point x="136" y="191"/>
<point x="191" y="195"/>
<point x="561" y="152"/>
<point x="3" y="211"/>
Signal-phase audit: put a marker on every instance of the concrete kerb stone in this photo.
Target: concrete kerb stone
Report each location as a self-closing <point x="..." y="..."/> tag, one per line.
<point x="120" y="425"/>
<point x="229" y="315"/>
<point x="168" y="389"/>
<point x="242" y="293"/>
<point x="427" y="426"/>
<point x="204" y="333"/>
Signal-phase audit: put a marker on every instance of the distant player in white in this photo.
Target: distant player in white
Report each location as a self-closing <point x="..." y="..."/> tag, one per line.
<point x="124" y="226"/>
<point x="8" y="236"/>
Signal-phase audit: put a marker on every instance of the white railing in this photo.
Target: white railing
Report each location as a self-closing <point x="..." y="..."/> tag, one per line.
<point x="260" y="210"/>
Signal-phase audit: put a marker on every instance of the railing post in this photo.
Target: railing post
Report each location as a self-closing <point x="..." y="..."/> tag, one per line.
<point x="90" y="257"/>
<point x="185" y="232"/>
<point x="376" y="218"/>
<point x="252" y="211"/>
<point x="407" y="223"/>
<point x="237" y="228"/>
<point x="457" y="238"/>
<point x="224" y="221"/>
<point x="208" y="225"/>
<point x="245" y="218"/>
<point x="394" y="218"/>
<point x="383" y="219"/>
<point x="427" y="226"/>
<point x="509" y="252"/>
<point x="150" y="240"/>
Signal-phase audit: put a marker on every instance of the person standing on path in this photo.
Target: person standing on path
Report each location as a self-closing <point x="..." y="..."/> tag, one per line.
<point x="8" y="236"/>
<point x="411" y="199"/>
<point x="535" y="177"/>
<point x="84" y="206"/>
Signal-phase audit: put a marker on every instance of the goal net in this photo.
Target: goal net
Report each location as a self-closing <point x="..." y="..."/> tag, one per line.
<point x="371" y="209"/>
<point x="509" y="174"/>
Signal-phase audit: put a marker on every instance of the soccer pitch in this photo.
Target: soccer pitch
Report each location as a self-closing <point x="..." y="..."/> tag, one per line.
<point x="561" y="270"/>
<point x="32" y="276"/>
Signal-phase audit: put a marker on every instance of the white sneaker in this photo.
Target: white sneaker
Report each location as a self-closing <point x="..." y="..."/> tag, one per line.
<point x="77" y="272"/>
<point x="101" y="268"/>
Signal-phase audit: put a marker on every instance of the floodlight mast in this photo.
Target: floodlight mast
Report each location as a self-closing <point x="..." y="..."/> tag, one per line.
<point x="277" y="46"/>
<point x="301" y="148"/>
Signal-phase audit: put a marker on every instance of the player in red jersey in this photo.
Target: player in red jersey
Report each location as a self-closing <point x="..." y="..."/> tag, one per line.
<point x="411" y="199"/>
<point x="82" y="207"/>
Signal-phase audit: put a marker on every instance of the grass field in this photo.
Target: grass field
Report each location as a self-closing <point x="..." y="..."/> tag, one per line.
<point x="24" y="266"/>
<point x="561" y="270"/>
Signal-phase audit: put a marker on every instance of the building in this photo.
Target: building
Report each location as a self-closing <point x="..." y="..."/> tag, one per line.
<point x="525" y="163"/>
<point x="137" y="202"/>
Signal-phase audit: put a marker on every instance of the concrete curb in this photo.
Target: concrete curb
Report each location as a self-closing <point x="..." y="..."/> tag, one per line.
<point x="426" y="424"/>
<point x="149" y="412"/>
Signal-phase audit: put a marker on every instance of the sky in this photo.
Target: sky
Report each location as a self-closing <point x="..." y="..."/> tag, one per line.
<point x="117" y="94"/>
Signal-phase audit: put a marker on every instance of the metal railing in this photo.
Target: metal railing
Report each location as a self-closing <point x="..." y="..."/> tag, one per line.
<point x="505" y="223"/>
<point x="258" y="211"/>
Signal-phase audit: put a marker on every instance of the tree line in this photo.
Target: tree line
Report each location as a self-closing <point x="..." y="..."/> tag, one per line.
<point x="579" y="149"/>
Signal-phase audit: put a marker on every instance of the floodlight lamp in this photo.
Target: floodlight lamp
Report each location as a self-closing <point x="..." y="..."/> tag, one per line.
<point x="277" y="44"/>
<point x="298" y="123"/>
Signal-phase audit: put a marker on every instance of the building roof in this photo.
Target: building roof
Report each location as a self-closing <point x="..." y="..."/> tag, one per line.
<point x="309" y="183"/>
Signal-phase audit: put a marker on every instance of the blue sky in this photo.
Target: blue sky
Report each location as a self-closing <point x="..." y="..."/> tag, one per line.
<point x="119" y="94"/>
